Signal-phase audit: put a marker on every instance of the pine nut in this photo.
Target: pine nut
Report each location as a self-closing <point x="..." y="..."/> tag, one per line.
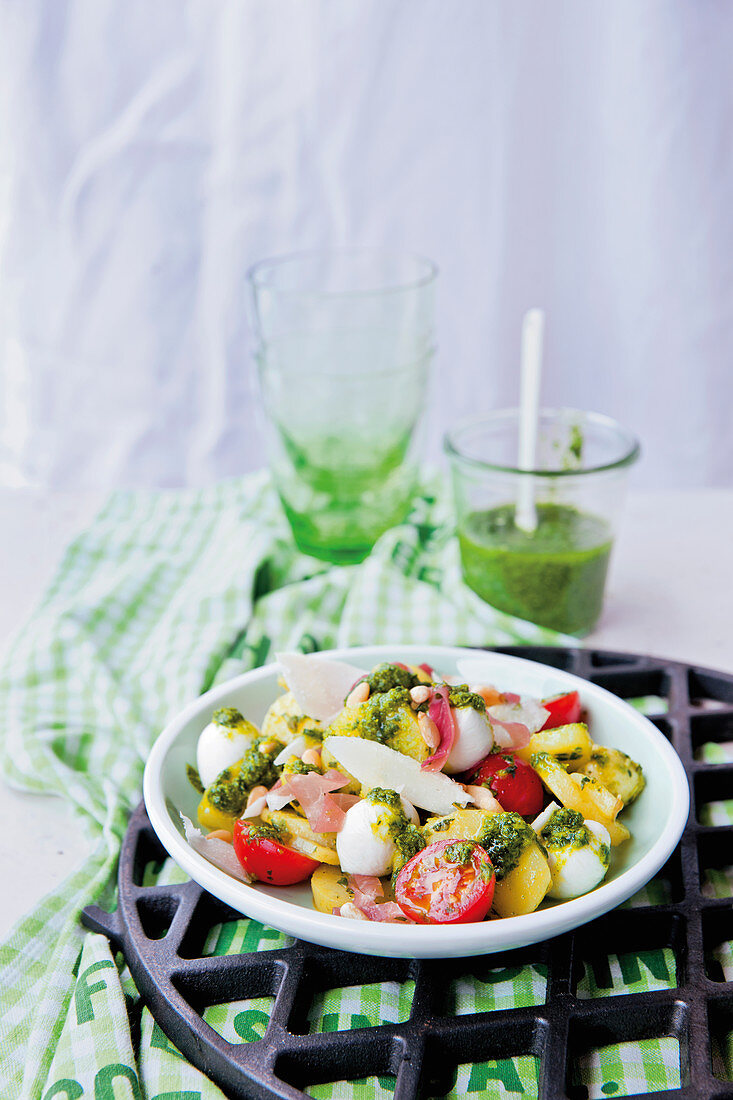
<point x="351" y="911"/>
<point x="358" y="695"/>
<point x="255" y="793"/>
<point x="483" y="799"/>
<point x="220" y="834"/>
<point x="420" y="694"/>
<point x="312" y="756"/>
<point x="428" y="731"/>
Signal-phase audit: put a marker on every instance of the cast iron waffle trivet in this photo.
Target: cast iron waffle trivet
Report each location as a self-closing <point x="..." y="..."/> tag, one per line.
<point x="162" y="930"/>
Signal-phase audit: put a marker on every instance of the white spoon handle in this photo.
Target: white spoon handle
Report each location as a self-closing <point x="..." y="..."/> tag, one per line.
<point x="529" y="403"/>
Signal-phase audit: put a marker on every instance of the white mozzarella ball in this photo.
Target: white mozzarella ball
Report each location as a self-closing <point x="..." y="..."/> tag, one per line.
<point x="474" y="740"/>
<point x="576" y="870"/>
<point x="219" y="747"/>
<point x="363" y="844"/>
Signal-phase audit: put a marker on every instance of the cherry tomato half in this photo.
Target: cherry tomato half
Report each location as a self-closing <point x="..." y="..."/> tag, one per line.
<point x="449" y="882"/>
<point x="268" y="860"/>
<point x="512" y="782"/>
<point x="564" y="709"/>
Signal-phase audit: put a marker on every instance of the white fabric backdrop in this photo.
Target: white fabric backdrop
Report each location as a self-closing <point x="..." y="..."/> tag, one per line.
<point x="574" y="154"/>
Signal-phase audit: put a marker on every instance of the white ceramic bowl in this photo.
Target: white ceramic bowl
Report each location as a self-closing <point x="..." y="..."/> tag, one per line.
<point x="656" y="819"/>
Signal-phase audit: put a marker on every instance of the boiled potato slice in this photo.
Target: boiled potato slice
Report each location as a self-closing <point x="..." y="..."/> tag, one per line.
<point x="298" y="835"/>
<point x="582" y="793"/>
<point x="285" y="721"/>
<point x="522" y="890"/>
<point x="210" y="817"/>
<point x="616" y="771"/>
<point x="570" y="745"/>
<point x="331" y="892"/>
<point x="461" y="825"/>
<point x="329" y="888"/>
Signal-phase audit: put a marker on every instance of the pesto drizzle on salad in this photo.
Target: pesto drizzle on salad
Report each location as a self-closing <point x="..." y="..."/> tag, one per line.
<point x="505" y="837"/>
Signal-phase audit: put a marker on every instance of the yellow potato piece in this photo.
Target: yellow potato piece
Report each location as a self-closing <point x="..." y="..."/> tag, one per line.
<point x="330" y="891"/>
<point x="212" y="818"/>
<point x="522" y="890"/>
<point x="616" y="771"/>
<point x="285" y="721"/>
<point x="579" y="792"/>
<point x="298" y="835"/>
<point x="460" y="825"/>
<point x="570" y="745"/>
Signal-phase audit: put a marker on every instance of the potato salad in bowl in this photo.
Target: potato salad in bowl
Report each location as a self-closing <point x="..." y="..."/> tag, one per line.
<point x="407" y="797"/>
<point x="416" y="802"/>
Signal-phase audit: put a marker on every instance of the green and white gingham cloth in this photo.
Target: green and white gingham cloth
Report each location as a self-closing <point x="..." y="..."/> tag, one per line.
<point x="164" y="595"/>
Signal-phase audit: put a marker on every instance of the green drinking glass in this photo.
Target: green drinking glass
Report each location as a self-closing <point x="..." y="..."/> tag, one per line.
<point x="345" y="340"/>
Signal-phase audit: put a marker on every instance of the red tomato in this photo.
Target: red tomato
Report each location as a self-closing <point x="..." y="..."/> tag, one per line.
<point x="438" y="886"/>
<point x="268" y="860"/>
<point x="512" y="782"/>
<point x="564" y="709"/>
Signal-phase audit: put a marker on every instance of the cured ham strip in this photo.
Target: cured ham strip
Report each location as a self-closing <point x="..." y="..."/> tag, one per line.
<point x="367" y="888"/>
<point x="441" y="713"/>
<point x="313" y="792"/>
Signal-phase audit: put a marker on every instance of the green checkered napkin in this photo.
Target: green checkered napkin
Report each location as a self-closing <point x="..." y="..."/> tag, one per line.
<point x="166" y="594"/>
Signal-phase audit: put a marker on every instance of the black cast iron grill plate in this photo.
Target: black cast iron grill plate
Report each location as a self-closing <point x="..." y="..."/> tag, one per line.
<point x="161" y="931"/>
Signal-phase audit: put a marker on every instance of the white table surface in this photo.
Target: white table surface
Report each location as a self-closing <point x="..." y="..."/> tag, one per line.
<point x="669" y="595"/>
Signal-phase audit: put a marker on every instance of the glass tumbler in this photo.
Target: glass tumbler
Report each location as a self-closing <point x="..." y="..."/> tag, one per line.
<point x="552" y="573"/>
<point x="345" y="339"/>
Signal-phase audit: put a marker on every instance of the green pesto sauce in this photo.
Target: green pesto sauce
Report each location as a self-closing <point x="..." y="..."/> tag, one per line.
<point x="230" y="789"/>
<point x="575" y="446"/>
<point x="379" y="718"/>
<point x="406" y="837"/>
<point x="565" y="829"/>
<point x="505" y="837"/>
<point x="460" y="852"/>
<point x="266" y="831"/>
<point x="316" y="735"/>
<point x="194" y="778"/>
<point x="444" y="823"/>
<point x="553" y="576"/>
<point x="294" y="766"/>
<point x="408" y="843"/>
<point x="460" y="696"/>
<point x="386" y="676"/>
<point x="228" y="716"/>
<point x="226" y="792"/>
<point x="383" y="796"/>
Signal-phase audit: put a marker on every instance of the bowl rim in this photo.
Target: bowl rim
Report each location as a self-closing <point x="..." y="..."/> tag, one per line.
<point x="392" y="939"/>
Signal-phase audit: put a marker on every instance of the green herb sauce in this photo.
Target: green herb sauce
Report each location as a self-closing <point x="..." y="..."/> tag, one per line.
<point x="294" y="766"/>
<point x="379" y="717"/>
<point x="266" y="831"/>
<point x="386" y="676"/>
<point x="505" y="837"/>
<point x="565" y="829"/>
<point x="460" y="696"/>
<point x="554" y="576"/>
<point x="228" y="716"/>
<point x="460" y="852"/>
<point x="230" y="789"/>
<point x="406" y="837"/>
<point x="194" y="778"/>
